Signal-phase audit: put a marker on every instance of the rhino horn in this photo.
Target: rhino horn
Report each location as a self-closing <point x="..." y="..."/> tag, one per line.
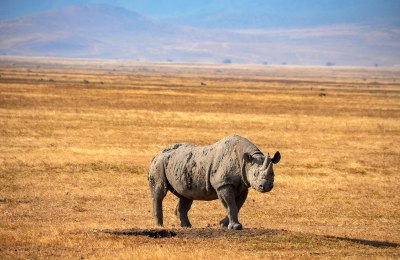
<point x="266" y="161"/>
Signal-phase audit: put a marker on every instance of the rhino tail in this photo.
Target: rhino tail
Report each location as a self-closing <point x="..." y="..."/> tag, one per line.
<point x="157" y="178"/>
<point x="158" y="186"/>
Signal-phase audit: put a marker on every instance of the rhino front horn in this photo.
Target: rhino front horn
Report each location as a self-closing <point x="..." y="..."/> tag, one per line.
<point x="265" y="164"/>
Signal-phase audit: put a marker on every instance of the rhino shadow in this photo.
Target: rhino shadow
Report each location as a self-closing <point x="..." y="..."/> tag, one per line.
<point x="373" y="243"/>
<point x="192" y="233"/>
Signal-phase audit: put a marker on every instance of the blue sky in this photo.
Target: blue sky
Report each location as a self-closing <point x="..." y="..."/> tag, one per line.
<point x="383" y="11"/>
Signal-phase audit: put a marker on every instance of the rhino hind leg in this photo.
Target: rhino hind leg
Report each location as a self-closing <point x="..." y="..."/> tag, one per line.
<point x="181" y="211"/>
<point x="227" y="196"/>
<point x="239" y="203"/>
<point x="158" y="187"/>
<point x="158" y="211"/>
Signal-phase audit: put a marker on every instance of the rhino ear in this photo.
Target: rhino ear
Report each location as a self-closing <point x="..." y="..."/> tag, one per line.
<point x="247" y="157"/>
<point x="276" y="158"/>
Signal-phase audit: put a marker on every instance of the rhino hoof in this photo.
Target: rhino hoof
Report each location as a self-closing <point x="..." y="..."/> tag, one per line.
<point x="224" y="223"/>
<point x="186" y="225"/>
<point x="235" y="226"/>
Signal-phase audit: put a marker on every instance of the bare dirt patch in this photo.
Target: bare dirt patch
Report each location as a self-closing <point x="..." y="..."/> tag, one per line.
<point x="192" y="233"/>
<point x="211" y="233"/>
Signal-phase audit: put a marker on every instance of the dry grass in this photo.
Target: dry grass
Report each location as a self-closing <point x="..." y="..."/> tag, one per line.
<point x="74" y="155"/>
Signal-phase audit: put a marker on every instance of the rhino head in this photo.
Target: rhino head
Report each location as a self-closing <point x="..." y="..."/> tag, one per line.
<point x="259" y="171"/>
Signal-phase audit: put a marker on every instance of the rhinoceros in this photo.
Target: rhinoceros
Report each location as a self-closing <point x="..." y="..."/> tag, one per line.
<point x="224" y="170"/>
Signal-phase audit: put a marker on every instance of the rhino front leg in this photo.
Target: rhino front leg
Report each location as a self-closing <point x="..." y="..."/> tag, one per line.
<point x="182" y="209"/>
<point x="227" y="196"/>
<point x="239" y="203"/>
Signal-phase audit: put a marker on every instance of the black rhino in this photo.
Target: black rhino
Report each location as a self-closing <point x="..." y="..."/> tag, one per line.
<point x="224" y="170"/>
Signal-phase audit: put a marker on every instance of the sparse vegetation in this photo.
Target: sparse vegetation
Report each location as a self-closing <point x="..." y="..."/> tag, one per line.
<point x="73" y="164"/>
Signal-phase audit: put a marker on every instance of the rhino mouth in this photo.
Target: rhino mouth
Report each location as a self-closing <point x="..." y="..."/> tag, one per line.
<point x="265" y="187"/>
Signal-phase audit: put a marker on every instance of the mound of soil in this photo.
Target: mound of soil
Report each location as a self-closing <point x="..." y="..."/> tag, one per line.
<point x="192" y="232"/>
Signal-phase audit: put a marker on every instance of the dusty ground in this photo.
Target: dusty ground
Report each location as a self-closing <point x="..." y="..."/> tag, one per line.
<point x="76" y="139"/>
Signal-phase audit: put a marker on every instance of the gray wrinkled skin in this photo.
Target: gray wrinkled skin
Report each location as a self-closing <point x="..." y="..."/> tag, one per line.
<point x="224" y="170"/>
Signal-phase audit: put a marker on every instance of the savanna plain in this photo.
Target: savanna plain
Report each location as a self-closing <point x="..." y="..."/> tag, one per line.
<point x="77" y="138"/>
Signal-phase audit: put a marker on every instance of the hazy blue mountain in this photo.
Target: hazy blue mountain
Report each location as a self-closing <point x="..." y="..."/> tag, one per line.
<point x="294" y="14"/>
<point x="93" y="30"/>
<point x="106" y="31"/>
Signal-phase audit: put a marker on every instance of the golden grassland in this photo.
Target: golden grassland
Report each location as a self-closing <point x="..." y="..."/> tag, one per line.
<point x="77" y="137"/>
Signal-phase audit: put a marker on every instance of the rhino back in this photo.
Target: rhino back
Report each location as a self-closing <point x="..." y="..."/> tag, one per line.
<point x="188" y="171"/>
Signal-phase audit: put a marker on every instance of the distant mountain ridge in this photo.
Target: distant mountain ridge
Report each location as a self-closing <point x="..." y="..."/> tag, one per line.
<point x="85" y="31"/>
<point x="109" y="32"/>
<point x="295" y="14"/>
